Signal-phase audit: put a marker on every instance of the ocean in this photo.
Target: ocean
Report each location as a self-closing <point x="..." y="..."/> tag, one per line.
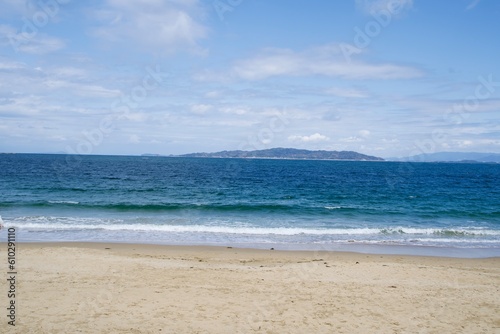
<point x="260" y="203"/>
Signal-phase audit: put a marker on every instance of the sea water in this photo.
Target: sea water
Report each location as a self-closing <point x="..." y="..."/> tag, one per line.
<point x="288" y="204"/>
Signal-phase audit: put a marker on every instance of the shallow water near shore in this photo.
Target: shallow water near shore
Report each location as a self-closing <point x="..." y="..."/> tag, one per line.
<point x="287" y="204"/>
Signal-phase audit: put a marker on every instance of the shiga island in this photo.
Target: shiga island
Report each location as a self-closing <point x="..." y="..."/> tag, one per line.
<point x="287" y="153"/>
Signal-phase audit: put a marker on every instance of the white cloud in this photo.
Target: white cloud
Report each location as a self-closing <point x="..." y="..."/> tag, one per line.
<point x="213" y="94"/>
<point x="361" y="137"/>
<point x="364" y="133"/>
<point x="42" y="44"/>
<point x="317" y="61"/>
<point x="38" y="43"/>
<point x="68" y="72"/>
<point x="6" y="31"/>
<point x="80" y="89"/>
<point x="346" y="92"/>
<point x="138" y="117"/>
<point x="396" y="8"/>
<point x="351" y="139"/>
<point x="64" y="81"/>
<point x="308" y="139"/>
<point x="9" y="65"/>
<point x="159" y="26"/>
<point x="134" y="139"/>
<point x="464" y="143"/>
<point x="29" y="105"/>
<point x="200" y="109"/>
<point x="234" y="110"/>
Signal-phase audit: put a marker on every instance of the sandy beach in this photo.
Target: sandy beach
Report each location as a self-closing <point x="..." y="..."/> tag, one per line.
<point x="128" y="288"/>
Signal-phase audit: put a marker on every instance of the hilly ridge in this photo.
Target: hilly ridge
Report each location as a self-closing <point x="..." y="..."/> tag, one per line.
<point x="287" y="153"/>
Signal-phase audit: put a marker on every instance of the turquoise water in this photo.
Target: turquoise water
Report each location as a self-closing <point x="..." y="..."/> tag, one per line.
<point x="247" y="202"/>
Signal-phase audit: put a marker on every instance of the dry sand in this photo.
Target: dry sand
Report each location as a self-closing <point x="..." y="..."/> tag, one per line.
<point x="117" y="288"/>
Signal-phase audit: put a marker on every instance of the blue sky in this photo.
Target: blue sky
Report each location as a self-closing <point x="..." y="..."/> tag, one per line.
<point x="391" y="78"/>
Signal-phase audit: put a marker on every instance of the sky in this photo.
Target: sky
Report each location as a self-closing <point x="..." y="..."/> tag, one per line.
<point x="390" y="78"/>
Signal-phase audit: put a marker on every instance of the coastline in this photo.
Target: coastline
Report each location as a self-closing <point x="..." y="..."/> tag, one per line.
<point x="144" y="288"/>
<point x="345" y="247"/>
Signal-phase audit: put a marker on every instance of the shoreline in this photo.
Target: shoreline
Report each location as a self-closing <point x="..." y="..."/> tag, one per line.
<point x="125" y="248"/>
<point x="144" y="288"/>
<point x="354" y="247"/>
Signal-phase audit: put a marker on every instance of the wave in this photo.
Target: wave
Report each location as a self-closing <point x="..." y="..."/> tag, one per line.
<point x="63" y="202"/>
<point x="305" y="210"/>
<point x="70" y="223"/>
<point x="469" y="231"/>
<point x="257" y="207"/>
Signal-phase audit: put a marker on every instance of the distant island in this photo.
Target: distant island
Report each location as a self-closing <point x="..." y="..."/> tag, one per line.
<point x="464" y="157"/>
<point x="287" y="153"/>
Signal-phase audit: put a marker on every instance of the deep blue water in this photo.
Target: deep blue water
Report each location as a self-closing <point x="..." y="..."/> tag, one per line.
<point x="297" y="203"/>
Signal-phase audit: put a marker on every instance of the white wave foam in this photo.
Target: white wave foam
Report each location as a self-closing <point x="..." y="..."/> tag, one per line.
<point x="64" y="202"/>
<point x="451" y="240"/>
<point x="194" y="229"/>
<point x="469" y="231"/>
<point x="73" y="223"/>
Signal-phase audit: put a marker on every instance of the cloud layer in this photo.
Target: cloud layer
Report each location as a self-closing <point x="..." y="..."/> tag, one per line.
<point x="326" y="60"/>
<point x="168" y="77"/>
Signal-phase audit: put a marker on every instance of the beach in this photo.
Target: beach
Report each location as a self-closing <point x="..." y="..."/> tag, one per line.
<point x="132" y="288"/>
